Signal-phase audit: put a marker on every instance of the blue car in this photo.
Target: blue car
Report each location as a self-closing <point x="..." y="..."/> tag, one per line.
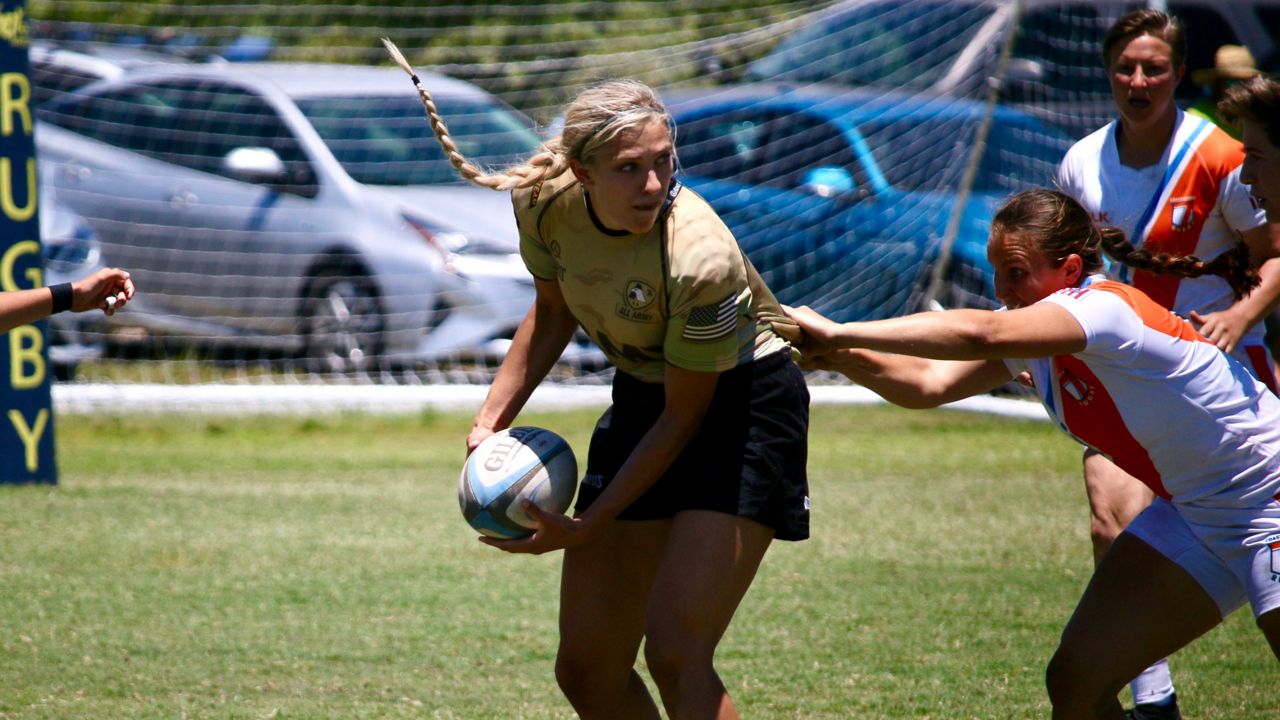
<point x="842" y="197"/>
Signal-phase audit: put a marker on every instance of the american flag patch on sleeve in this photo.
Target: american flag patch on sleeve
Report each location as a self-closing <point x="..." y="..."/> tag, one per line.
<point x="708" y="323"/>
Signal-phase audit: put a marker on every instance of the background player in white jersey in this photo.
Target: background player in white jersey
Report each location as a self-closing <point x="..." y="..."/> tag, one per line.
<point x="1256" y="106"/>
<point x="700" y="462"/>
<point x="1124" y="375"/>
<point x="1171" y="182"/>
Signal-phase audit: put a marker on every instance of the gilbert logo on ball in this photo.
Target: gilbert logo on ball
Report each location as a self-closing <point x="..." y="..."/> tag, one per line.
<point x="514" y="465"/>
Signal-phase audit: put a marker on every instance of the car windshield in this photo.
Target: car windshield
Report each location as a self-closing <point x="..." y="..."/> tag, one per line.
<point x="388" y="141"/>
<point x="930" y="155"/>
<point x="890" y="44"/>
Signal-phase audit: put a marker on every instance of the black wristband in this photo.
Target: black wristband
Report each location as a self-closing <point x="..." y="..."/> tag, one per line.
<point x="62" y="297"/>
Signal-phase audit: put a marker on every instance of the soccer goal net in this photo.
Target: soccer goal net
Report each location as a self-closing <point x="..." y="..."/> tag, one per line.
<point x="270" y="179"/>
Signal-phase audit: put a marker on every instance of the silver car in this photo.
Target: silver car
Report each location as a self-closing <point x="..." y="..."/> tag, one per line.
<point x="70" y="250"/>
<point x="296" y="207"/>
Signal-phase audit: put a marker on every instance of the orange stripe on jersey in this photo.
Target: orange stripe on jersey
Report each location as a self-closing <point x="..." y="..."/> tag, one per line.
<point x="1177" y="225"/>
<point x="1090" y="414"/>
<point x="1152" y="314"/>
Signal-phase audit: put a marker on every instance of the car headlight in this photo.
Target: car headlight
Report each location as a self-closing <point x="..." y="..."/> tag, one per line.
<point x="448" y="242"/>
<point x="492" y="267"/>
<point x="482" y="247"/>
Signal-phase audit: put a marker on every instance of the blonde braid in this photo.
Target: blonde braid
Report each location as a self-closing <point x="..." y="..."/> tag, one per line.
<point x="548" y="162"/>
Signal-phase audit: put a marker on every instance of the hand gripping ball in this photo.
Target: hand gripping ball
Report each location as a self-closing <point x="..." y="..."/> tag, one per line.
<point x="511" y="466"/>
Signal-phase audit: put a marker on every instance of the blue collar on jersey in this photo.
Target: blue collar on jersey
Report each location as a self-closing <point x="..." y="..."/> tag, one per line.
<point x="671" y="195"/>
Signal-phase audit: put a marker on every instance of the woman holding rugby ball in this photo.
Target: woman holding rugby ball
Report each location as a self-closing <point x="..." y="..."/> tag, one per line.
<point x="700" y="462"/>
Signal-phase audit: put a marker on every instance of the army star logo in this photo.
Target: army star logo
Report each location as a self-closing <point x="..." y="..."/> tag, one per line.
<point x="636" y="302"/>
<point x="640" y="294"/>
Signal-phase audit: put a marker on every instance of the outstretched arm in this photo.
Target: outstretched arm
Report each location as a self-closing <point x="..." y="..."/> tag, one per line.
<point x="929" y="359"/>
<point x="914" y="382"/>
<point x="1040" y="330"/>
<point x="108" y="289"/>
<point x="19" y="307"/>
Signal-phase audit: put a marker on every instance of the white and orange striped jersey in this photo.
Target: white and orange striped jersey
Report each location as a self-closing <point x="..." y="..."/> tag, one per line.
<point x="1160" y="400"/>
<point x="1190" y="203"/>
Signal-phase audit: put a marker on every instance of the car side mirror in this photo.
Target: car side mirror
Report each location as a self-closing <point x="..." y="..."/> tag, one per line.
<point x="255" y="165"/>
<point x="1022" y="77"/>
<point x="829" y="181"/>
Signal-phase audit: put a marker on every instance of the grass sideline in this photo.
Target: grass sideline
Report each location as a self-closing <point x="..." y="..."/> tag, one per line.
<point x="268" y="567"/>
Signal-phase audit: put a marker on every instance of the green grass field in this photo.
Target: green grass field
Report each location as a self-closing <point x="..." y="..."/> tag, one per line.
<point x="320" y="568"/>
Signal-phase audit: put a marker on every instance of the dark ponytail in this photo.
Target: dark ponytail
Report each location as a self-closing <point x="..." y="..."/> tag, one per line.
<point x="1059" y="226"/>
<point x="1234" y="266"/>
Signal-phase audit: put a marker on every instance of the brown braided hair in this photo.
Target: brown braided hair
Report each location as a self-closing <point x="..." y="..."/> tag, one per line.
<point x="1234" y="265"/>
<point x="1059" y="226"/>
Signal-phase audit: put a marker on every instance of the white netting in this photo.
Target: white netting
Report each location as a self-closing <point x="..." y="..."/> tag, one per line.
<point x="294" y="222"/>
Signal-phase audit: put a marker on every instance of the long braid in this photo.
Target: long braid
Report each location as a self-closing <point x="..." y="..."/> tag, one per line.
<point x="596" y="117"/>
<point x="1237" y="268"/>
<point x="548" y="162"/>
<point x="1059" y="226"/>
<point x="1234" y="266"/>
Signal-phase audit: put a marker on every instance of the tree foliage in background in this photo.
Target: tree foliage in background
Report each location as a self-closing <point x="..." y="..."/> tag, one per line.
<point x="534" y="53"/>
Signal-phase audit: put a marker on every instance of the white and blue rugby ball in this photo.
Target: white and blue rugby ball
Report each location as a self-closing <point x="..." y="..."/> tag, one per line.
<point x="511" y="466"/>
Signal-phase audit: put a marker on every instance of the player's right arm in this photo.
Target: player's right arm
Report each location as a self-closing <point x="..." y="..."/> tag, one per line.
<point x="107" y="289"/>
<point x="541" y="338"/>
<point x="1227" y="327"/>
<point x="19" y="307"/>
<point x="937" y="357"/>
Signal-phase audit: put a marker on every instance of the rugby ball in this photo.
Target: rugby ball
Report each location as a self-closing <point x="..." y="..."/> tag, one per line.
<point x="511" y="466"/>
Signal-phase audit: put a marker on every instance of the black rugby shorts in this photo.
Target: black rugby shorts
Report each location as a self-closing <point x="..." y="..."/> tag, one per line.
<point x="747" y="459"/>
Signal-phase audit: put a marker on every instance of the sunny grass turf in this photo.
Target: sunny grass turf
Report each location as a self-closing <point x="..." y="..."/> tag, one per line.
<point x="320" y="568"/>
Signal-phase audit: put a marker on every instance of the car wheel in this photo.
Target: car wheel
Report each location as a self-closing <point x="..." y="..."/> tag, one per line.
<point x="342" y="321"/>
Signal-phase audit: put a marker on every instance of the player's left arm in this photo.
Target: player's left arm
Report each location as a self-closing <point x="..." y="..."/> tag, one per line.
<point x="688" y="395"/>
<point x="1226" y="327"/>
